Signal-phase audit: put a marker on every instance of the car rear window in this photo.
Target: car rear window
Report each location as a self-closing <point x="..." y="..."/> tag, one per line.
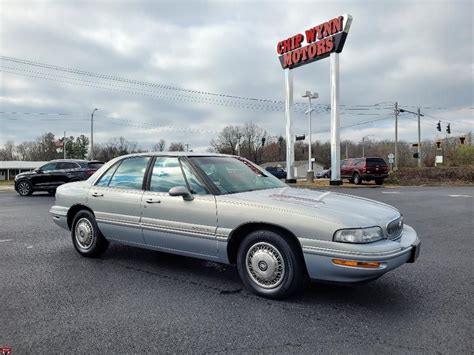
<point x="95" y="164"/>
<point x="376" y="161"/>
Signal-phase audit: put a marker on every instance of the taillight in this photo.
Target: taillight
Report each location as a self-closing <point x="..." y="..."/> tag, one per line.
<point x="90" y="172"/>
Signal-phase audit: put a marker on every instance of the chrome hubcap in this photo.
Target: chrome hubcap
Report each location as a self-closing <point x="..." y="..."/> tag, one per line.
<point x="265" y="265"/>
<point x="23" y="188"/>
<point x="84" y="233"/>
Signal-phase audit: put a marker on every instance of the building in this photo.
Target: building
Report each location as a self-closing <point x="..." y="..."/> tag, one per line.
<point x="9" y="169"/>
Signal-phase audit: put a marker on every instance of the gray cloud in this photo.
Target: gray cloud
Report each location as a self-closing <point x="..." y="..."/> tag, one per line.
<point x="417" y="53"/>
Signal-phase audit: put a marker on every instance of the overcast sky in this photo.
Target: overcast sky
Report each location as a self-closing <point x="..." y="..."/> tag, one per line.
<point x="419" y="53"/>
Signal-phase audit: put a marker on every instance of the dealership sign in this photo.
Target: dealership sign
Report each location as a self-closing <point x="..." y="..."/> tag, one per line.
<point x="321" y="41"/>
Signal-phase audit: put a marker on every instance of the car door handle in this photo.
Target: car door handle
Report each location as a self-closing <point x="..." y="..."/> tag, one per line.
<point x="96" y="194"/>
<point x="150" y="200"/>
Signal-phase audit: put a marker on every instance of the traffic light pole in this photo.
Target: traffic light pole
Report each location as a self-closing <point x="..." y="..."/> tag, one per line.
<point x="395" y="168"/>
<point x="419" y="139"/>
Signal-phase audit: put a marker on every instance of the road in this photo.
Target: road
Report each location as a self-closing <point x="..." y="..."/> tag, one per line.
<point x="134" y="300"/>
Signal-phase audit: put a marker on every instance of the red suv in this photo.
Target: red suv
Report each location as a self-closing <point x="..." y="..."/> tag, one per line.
<point x="367" y="169"/>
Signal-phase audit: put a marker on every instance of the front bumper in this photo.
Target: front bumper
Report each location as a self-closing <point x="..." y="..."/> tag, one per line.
<point x="59" y="215"/>
<point x="320" y="266"/>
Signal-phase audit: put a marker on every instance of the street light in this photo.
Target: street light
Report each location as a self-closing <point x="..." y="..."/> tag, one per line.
<point x="92" y="133"/>
<point x="309" y="95"/>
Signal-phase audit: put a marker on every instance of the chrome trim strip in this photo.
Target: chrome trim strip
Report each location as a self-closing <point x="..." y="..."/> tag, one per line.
<point x="334" y="252"/>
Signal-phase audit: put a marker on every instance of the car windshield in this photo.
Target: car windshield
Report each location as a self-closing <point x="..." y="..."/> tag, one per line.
<point x="233" y="175"/>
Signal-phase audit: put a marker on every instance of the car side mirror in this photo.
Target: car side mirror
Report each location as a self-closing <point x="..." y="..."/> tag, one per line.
<point x="39" y="171"/>
<point x="181" y="191"/>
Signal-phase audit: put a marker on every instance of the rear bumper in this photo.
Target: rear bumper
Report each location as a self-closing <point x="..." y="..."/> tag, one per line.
<point x="374" y="176"/>
<point x="59" y="215"/>
<point x="320" y="266"/>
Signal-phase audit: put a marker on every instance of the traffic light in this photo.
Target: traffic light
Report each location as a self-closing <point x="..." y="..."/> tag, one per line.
<point x="263" y="141"/>
<point x="462" y="140"/>
<point x="448" y="128"/>
<point x="438" y="126"/>
<point x="301" y="138"/>
<point x="416" y="156"/>
<point x="438" y="145"/>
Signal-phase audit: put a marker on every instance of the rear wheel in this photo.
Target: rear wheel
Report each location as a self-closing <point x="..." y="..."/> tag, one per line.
<point x="86" y="236"/>
<point x="379" y="181"/>
<point x="24" y="188"/>
<point x="356" y="178"/>
<point x="269" y="266"/>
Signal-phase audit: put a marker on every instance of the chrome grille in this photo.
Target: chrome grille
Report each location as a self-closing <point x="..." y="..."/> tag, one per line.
<point x="395" y="228"/>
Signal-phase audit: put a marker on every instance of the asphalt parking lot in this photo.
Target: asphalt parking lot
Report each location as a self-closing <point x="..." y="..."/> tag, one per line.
<point x="134" y="300"/>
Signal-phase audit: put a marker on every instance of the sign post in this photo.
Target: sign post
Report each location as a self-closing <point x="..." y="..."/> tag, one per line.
<point x="290" y="137"/>
<point x="322" y="41"/>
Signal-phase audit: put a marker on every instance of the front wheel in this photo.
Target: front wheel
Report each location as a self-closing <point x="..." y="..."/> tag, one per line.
<point x="86" y="236"/>
<point x="24" y="188"/>
<point x="269" y="266"/>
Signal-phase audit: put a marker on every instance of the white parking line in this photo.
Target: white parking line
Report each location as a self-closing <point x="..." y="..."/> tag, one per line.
<point x="459" y="195"/>
<point x="390" y="192"/>
<point x="5" y="240"/>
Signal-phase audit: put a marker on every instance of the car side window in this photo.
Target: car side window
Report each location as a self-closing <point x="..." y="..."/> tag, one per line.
<point x="105" y="179"/>
<point x="194" y="183"/>
<point x="166" y="174"/>
<point x="49" y="167"/>
<point x="130" y="173"/>
<point x="67" y="165"/>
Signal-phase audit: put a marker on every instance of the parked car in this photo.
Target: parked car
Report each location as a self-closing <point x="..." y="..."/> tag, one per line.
<point x="56" y="172"/>
<point x="324" y="174"/>
<point x="226" y="209"/>
<point x="276" y="171"/>
<point x="364" y="169"/>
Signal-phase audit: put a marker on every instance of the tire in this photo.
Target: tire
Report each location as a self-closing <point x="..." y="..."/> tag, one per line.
<point x="24" y="188"/>
<point x="379" y="181"/>
<point x="356" y="179"/>
<point x="91" y="243"/>
<point x="52" y="192"/>
<point x="262" y="252"/>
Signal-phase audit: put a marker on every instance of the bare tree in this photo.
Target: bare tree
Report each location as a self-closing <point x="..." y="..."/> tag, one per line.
<point x="160" y="146"/>
<point x="227" y="140"/>
<point x="176" y="147"/>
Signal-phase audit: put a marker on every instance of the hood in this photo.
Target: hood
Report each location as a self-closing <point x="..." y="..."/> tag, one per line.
<point x="348" y="211"/>
<point x="23" y="174"/>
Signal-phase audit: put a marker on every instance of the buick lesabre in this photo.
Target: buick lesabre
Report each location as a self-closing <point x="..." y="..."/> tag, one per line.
<point x="226" y="209"/>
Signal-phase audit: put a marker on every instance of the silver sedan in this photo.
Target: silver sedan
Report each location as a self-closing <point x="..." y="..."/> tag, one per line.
<point x="226" y="209"/>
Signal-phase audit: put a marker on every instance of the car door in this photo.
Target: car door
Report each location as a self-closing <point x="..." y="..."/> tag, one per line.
<point x="116" y="200"/>
<point x="66" y="172"/>
<point x="173" y="224"/>
<point x="45" y="175"/>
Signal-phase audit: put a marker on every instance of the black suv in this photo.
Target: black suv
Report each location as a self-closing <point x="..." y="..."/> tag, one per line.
<point x="55" y="173"/>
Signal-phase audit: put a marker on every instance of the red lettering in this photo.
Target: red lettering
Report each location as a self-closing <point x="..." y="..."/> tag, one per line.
<point x="312" y="50"/>
<point x="321" y="47"/>
<point x="287" y="60"/>
<point x="319" y="31"/>
<point x="280" y="48"/>
<point x="329" y="44"/>
<point x="310" y="35"/>
<point x="327" y="29"/>
<point x="304" y="53"/>
<point x="337" y="24"/>
<point x="287" y="45"/>
<point x="296" y="56"/>
<point x="298" y="39"/>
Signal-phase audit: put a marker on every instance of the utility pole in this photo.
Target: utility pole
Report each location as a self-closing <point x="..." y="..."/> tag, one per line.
<point x="187" y="147"/>
<point x="395" y="168"/>
<point x="92" y="133"/>
<point x="309" y="95"/>
<point x="419" y="139"/>
<point x="347" y="152"/>
<point x="64" y="145"/>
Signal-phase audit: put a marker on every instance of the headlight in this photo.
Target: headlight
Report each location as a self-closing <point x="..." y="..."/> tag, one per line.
<point x="359" y="235"/>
